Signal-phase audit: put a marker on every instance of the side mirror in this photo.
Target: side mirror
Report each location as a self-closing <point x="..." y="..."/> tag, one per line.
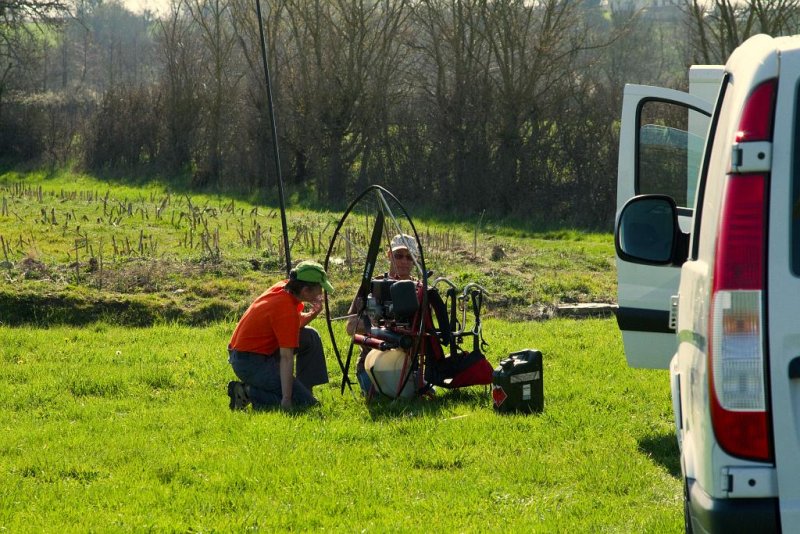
<point x="647" y="232"/>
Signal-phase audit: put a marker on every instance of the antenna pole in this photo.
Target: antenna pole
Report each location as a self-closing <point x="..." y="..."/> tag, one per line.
<point x="275" y="151"/>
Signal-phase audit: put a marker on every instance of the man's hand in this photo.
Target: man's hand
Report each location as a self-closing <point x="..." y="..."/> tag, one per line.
<point x="286" y="404"/>
<point x="355" y="323"/>
<point x="316" y="307"/>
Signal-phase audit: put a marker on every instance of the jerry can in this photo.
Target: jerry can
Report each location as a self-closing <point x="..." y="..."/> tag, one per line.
<point x="517" y="384"/>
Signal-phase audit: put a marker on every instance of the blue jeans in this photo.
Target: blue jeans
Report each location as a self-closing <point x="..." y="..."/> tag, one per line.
<point x="261" y="373"/>
<point x="364" y="381"/>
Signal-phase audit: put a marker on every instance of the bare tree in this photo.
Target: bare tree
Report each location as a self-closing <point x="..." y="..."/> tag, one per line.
<point x="257" y="123"/>
<point x="17" y="15"/>
<point x="336" y="79"/>
<point x="386" y="92"/>
<point x="22" y="69"/>
<point x="180" y="82"/>
<point x="213" y="18"/>
<point x="18" y="18"/>
<point x="533" y="52"/>
<point x="456" y="92"/>
<point x="717" y="27"/>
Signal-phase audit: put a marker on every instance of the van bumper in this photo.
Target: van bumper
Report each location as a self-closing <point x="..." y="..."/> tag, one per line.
<point x="731" y="515"/>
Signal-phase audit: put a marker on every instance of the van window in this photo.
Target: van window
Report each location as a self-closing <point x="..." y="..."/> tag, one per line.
<point x="670" y="145"/>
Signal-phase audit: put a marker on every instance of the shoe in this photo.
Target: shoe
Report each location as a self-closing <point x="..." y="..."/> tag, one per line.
<point x="428" y="391"/>
<point x="238" y="396"/>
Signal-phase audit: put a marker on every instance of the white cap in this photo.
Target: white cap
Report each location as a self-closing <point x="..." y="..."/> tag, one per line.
<point x="405" y="241"/>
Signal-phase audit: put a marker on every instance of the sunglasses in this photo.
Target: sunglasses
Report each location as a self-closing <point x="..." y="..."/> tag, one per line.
<point x="402" y="256"/>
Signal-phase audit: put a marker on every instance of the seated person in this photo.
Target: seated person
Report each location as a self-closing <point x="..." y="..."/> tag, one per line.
<point x="401" y="253"/>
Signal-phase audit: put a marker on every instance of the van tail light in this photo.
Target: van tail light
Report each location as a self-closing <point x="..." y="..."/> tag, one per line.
<point x="737" y="358"/>
<point x="756" y="121"/>
<point x="738" y="400"/>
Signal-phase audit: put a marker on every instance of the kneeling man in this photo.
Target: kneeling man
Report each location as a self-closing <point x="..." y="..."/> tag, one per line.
<point x="263" y="346"/>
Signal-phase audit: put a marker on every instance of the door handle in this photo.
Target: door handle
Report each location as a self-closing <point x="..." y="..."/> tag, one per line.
<point x="794" y="368"/>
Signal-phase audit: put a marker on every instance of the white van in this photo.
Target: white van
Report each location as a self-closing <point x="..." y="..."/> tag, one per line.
<point x="708" y="257"/>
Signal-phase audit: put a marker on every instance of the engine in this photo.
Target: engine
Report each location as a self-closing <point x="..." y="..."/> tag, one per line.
<point x="392" y="302"/>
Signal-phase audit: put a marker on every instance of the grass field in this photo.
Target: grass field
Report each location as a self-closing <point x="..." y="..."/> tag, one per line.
<point x="75" y="249"/>
<point x="107" y="425"/>
<point x="117" y="429"/>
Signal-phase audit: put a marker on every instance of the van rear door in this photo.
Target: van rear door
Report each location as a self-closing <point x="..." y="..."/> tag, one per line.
<point x="783" y="290"/>
<point x="662" y="137"/>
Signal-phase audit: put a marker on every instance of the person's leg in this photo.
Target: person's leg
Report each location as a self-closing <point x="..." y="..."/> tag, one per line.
<point x="361" y="373"/>
<point x="262" y="379"/>
<point x="364" y="381"/>
<point x="261" y="376"/>
<point x="310" y="366"/>
<point x="301" y="395"/>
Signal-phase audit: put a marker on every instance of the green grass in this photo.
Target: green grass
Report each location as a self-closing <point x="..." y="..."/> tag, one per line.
<point x="72" y="247"/>
<point x="107" y="428"/>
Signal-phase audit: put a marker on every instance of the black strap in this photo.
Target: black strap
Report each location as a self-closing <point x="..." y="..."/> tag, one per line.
<point x="363" y="290"/>
<point x="454" y="324"/>
<point x="477" y="302"/>
<point x="440" y="311"/>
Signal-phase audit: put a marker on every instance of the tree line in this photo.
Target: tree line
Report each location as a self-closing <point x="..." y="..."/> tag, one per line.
<point x="508" y="107"/>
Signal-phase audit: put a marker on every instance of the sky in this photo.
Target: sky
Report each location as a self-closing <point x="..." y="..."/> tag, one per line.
<point x="137" y="6"/>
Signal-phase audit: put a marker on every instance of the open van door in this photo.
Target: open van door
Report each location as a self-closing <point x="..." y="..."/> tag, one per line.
<point x="661" y="144"/>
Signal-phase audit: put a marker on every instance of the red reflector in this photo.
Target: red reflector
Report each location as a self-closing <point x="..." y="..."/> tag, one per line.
<point x="756" y="121"/>
<point x="743" y="434"/>
<point x="740" y="246"/>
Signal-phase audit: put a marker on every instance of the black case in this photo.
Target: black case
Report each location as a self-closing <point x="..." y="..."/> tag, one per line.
<point x="517" y="383"/>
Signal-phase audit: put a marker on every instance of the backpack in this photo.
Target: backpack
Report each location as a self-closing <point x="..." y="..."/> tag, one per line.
<point x="457" y="367"/>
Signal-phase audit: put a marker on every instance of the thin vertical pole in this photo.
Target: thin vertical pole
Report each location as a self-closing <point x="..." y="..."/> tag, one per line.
<point x="275" y="151"/>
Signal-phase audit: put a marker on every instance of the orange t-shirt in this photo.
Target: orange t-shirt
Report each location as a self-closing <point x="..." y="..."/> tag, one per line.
<point x="272" y="321"/>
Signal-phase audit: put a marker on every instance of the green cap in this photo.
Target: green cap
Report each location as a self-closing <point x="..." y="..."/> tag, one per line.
<point x="311" y="271"/>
